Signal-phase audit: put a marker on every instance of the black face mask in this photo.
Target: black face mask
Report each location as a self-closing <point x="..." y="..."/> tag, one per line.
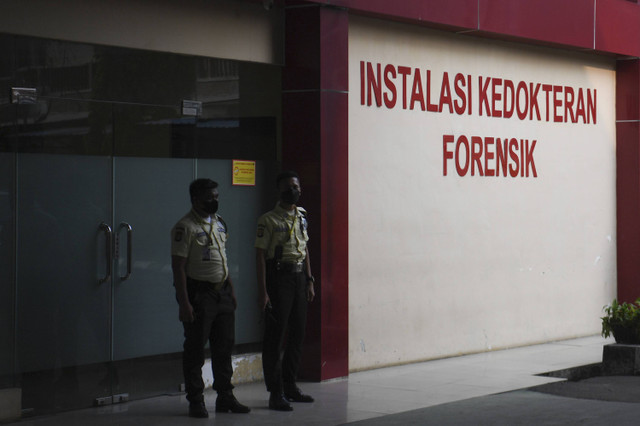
<point x="210" y="207"/>
<point x="290" y="196"/>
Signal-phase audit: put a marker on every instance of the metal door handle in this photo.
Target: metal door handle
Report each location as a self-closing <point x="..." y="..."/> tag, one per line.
<point x="108" y="243"/>
<point x="129" y="246"/>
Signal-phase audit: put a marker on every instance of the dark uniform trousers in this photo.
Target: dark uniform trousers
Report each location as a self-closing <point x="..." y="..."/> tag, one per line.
<point x="214" y="321"/>
<point x="288" y="316"/>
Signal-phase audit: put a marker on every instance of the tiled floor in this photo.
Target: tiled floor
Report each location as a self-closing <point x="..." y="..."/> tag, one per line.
<point x="363" y="395"/>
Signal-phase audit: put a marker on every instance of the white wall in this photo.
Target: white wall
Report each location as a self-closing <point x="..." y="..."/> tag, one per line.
<point x="227" y="29"/>
<point x="446" y="265"/>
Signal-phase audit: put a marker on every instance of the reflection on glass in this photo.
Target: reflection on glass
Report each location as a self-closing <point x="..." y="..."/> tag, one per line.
<point x="106" y="136"/>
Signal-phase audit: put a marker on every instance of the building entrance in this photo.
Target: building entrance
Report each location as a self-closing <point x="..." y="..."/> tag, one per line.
<point x="89" y="191"/>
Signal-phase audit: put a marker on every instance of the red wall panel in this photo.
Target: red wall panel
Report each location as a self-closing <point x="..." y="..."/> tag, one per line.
<point x="611" y="26"/>
<point x="628" y="178"/>
<point x="334" y="51"/>
<point x="564" y="22"/>
<point x="628" y="211"/>
<point x="618" y="27"/>
<point x="335" y="234"/>
<point x="302" y="70"/>
<point x="460" y="14"/>
<point x="315" y="143"/>
<point x="628" y="90"/>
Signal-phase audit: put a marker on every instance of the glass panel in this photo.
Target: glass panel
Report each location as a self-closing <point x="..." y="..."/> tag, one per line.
<point x="54" y="68"/>
<point x="7" y="283"/>
<point x="236" y="138"/>
<point x="63" y="312"/>
<point x="143" y="77"/>
<point x="145" y="131"/>
<point x="60" y="126"/>
<point x="59" y="69"/>
<point x="241" y="107"/>
<point x="151" y="194"/>
<point x="240" y="207"/>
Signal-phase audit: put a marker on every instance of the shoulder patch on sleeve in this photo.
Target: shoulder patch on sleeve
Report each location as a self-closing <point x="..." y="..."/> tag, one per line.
<point x="260" y="232"/>
<point x="178" y="234"/>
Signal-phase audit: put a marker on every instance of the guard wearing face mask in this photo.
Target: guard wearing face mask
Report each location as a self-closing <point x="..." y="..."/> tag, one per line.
<point x="285" y="286"/>
<point x="206" y="297"/>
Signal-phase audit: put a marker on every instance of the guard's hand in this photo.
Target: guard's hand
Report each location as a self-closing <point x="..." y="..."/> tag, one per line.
<point x="311" y="293"/>
<point x="186" y="313"/>
<point x="263" y="301"/>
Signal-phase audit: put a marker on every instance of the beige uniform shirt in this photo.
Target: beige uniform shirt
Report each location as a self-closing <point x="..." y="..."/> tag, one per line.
<point x="281" y="227"/>
<point x="203" y="244"/>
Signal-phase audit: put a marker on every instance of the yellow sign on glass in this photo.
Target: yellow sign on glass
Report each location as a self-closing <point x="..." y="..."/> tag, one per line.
<point x="244" y="172"/>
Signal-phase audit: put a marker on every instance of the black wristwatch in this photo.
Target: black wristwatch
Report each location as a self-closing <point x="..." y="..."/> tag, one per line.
<point x="310" y="278"/>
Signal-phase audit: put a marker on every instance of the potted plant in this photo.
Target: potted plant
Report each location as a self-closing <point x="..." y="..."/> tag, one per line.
<point x="622" y="320"/>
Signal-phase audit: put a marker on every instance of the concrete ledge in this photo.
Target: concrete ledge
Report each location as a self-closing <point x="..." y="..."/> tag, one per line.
<point x="247" y="368"/>
<point x="10" y="404"/>
<point x="621" y="360"/>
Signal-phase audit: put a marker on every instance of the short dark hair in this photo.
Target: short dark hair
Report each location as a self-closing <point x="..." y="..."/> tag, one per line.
<point x="287" y="174"/>
<point x="199" y="185"/>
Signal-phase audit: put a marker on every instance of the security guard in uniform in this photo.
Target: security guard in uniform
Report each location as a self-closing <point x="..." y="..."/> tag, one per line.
<point x="206" y="297"/>
<point x="285" y="286"/>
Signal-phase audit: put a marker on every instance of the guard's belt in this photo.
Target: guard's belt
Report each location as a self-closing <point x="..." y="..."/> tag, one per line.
<point x="208" y="284"/>
<point x="290" y="267"/>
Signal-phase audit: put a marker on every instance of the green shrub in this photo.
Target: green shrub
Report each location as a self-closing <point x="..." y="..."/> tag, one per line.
<point x="622" y="320"/>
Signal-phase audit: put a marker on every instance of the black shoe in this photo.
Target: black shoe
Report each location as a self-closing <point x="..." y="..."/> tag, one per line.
<point x="278" y="403"/>
<point x="198" y="410"/>
<point x="227" y="402"/>
<point x="295" y="395"/>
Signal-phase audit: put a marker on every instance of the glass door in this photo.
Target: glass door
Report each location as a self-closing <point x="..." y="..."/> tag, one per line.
<point x="63" y="271"/>
<point x="96" y="316"/>
<point x="150" y="195"/>
<point x="90" y="192"/>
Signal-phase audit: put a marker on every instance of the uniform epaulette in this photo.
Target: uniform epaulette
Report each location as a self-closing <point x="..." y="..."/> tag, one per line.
<point x="223" y="222"/>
